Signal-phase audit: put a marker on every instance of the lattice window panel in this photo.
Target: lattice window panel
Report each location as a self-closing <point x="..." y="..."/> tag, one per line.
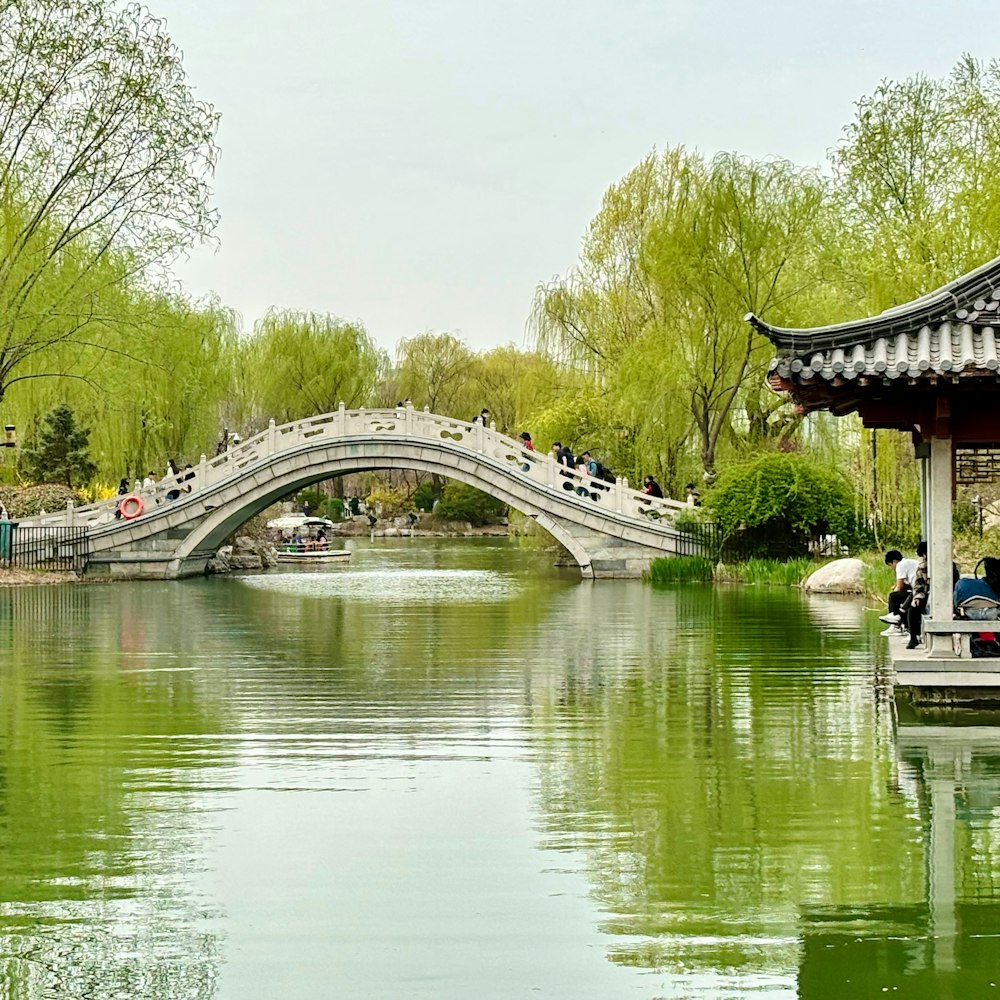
<point x="977" y="466"/>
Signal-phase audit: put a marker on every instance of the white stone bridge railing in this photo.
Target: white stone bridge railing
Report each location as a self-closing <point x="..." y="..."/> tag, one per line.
<point x="537" y="468"/>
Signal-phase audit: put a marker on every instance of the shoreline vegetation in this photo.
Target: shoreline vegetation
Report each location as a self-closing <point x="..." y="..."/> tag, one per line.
<point x="878" y="577"/>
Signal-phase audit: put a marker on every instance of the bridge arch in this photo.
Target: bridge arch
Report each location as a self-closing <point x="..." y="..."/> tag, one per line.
<point x="337" y="460"/>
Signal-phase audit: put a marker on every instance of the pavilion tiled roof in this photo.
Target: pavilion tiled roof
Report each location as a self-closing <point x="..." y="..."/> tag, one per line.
<point x="951" y="333"/>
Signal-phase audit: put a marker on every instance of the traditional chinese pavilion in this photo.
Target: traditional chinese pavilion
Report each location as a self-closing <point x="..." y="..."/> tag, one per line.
<point x="930" y="368"/>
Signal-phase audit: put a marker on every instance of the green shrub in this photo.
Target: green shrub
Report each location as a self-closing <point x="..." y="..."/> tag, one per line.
<point x="465" y="503"/>
<point x="30" y="501"/>
<point x="332" y="508"/>
<point x="784" y="500"/>
<point x="313" y="497"/>
<point x="388" y="502"/>
<point x="423" y="496"/>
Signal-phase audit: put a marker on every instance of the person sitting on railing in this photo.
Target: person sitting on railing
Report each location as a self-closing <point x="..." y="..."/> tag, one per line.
<point x="526" y="441"/>
<point x="652" y="488"/>
<point x="898" y="601"/>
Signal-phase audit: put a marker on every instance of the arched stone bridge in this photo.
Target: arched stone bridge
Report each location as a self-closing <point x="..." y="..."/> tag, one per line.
<point x="609" y="529"/>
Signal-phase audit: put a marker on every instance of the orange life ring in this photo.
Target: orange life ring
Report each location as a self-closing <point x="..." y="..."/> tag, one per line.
<point x="124" y="506"/>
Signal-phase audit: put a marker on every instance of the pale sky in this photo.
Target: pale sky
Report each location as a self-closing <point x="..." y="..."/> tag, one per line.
<point x="423" y="164"/>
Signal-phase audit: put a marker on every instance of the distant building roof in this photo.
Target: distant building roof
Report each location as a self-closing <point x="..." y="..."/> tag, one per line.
<point x="950" y="335"/>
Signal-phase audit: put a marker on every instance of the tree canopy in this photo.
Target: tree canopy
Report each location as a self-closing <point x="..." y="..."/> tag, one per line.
<point x="105" y="165"/>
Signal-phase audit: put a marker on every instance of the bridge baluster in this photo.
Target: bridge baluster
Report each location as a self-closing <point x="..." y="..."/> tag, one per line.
<point x="341" y="419"/>
<point x="203" y="472"/>
<point x="272" y="437"/>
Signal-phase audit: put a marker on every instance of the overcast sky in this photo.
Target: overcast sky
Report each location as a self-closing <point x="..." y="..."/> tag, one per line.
<point x="423" y="164"/>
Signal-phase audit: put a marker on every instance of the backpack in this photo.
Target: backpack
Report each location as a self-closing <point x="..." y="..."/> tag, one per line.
<point x="603" y="472"/>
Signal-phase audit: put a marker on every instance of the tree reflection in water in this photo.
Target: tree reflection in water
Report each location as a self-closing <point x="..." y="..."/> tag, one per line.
<point x="94" y="899"/>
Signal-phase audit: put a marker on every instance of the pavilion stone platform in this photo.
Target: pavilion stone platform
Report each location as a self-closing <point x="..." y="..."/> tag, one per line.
<point x="930" y="368"/>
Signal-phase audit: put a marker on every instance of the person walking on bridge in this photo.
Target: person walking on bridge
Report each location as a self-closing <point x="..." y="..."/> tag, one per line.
<point x="563" y="455"/>
<point x="652" y="488"/>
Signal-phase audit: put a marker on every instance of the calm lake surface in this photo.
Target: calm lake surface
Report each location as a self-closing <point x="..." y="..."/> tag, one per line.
<point x="450" y="771"/>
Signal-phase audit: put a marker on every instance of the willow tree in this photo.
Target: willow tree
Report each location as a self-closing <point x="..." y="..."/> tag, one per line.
<point x="297" y="364"/>
<point x="103" y="150"/>
<point x="742" y="244"/>
<point x="918" y="181"/>
<point x="680" y="250"/>
<point x="168" y="403"/>
<point x="515" y="384"/>
<point x="434" y="369"/>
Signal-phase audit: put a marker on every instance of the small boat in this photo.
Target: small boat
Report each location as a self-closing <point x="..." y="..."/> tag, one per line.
<point x="289" y="552"/>
<point x="304" y="540"/>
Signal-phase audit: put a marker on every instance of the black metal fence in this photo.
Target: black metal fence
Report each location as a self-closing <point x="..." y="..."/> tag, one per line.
<point x="53" y="548"/>
<point x="711" y="541"/>
<point x="899" y="531"/>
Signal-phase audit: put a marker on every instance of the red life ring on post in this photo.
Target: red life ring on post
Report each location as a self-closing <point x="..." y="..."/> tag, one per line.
<point x="131" y="506"/>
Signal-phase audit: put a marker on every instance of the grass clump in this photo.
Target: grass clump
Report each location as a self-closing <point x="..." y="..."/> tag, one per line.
<point x="879" y="578"/>
<point x="766" y="572"/>
<point x="698" y="569"/>
<point x="681" y="569"/>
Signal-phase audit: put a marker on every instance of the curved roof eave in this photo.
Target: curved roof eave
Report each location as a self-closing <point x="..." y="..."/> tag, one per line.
<point x="983" y="282"/>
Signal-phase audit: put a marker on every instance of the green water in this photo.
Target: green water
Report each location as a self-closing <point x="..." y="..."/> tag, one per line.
<point x="449" y="771"/>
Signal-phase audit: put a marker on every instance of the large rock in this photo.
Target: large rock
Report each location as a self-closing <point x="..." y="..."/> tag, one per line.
<point x="842" y="576"/>
<point x="220" y="564"/>
<point x="245" y="561"/>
